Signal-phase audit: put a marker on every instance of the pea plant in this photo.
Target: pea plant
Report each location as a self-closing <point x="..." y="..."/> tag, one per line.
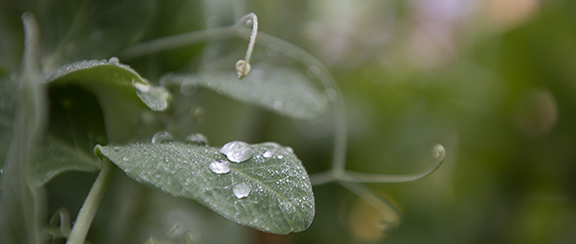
<point x="93" y="115"/>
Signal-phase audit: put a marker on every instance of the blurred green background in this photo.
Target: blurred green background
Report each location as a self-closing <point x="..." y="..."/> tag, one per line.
<point x="494" y="81"/>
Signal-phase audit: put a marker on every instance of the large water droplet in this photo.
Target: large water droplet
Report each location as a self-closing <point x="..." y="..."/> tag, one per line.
<point x="241" y="190"/>
<point x="141" y="87"/>
<point x="236" y="151"/>
<point x="290" y="150"/>
<point x="220" y="167"/>
<point x="267" y="154"/>
<point x="161" y="137"/>
<point x="113" y="60"/>
<point x="197" y="139"/>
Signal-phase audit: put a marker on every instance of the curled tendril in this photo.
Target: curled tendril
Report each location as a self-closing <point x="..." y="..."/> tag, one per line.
<point x="438" y="153"/>
<point x="243" y="65"/>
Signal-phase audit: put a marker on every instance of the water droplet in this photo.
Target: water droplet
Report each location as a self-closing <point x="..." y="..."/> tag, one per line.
<point x="280" y="156"/>
<point x="220" y="167"/>
<point x="113" y="60"/>
<point x="1" y="171"/>
<point x="249" y="22"/>
<point x="188" y="87"/>
<point x="241" y="190"/>
<point x="125" y="159"/>
<point x="161" y="137"/>
<point x="313" y="71"/>
<point x="141" y="87"/>
<point x="197" y="139"/>
<point x="290" y="149"/>
<point x="277" y="105"/>
<point x="267" y="154"/>
<point x="236" y="151"/>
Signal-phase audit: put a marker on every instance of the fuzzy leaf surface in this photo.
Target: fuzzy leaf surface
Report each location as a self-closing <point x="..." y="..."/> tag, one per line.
<point x="281" y="90"/>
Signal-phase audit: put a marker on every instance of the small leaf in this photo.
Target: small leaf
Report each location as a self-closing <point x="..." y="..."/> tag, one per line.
<point x="109" y="76"/>
<point x="281" y="90"/>
<point x="56" y="157"/>
<point x="270" y="191"/>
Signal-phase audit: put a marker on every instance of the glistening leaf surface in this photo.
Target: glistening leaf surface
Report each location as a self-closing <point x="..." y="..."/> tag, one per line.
<point x="109" y="76"/>
<point x="280" y="90"/>
<point x="280" y="199"/>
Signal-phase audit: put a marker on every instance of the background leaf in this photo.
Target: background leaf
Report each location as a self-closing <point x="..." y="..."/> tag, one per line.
<point x="280" y="200"/>
<point x="120" y="91"/>
<point x="281" y="90"/>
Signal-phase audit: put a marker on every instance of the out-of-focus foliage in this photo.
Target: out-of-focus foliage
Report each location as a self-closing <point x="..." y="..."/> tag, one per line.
<point x="492" y="80"/>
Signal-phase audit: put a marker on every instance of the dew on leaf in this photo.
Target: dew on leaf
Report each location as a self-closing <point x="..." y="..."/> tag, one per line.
<point x="161" y="137"/>
<point x="197" y="139"/>
<point x="241" y="190"/>
<point x="113" y="60"/>
<point x="290" y="149"/>
<point x="277" y="105"/>
<point x="236" y="151"/>
<point x="267" y="154"/>
<point x="220" y="167"/>
<point x="280" y="156"/>
<point x="141" y="87"/>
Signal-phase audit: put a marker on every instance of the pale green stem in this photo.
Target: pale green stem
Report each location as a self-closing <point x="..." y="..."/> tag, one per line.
<point x="439" y="153"/>
<point x="243" y="65"/>
<point x="90" y="207"/>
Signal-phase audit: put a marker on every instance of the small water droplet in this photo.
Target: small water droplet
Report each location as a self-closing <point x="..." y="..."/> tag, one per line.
<point x="113" y="60"/>
<point x="141" y="87"/>
<point x="267" y="154"/>
<point x="313" y="71"/>
<point x="290" y="149"/>
<point x="1" y="171"/>
<point x="197" y="139"/>
<point x="241" y="190"/>
<point x="236" y="151"/>
<point x="277" y="105"/>
<point x="249" y="22"/>
<point x="125" y="159"/>
<point x="280" y="156"/>
<point x="161" y="137"/>
<point x="220" y="167"/>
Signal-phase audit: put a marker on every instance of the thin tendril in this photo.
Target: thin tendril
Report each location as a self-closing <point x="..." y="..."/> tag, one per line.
<point x="243" y="65"/>
<point x="439" y="154"/>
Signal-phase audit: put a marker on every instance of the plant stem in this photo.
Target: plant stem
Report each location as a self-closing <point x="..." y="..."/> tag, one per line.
<point x="176" y="41"/>
<point x="88" y="210"/>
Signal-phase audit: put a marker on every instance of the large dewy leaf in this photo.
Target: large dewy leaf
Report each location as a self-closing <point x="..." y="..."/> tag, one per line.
<point x="281" y="90"/>
<point x="279" y="199"/>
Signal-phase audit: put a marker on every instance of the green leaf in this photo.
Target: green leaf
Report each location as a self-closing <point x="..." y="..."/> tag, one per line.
<point x="280" y="200"/>
<point x="77" y="30"/>
<point x="281" y="90"/>
<point x="109" y="76"/>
